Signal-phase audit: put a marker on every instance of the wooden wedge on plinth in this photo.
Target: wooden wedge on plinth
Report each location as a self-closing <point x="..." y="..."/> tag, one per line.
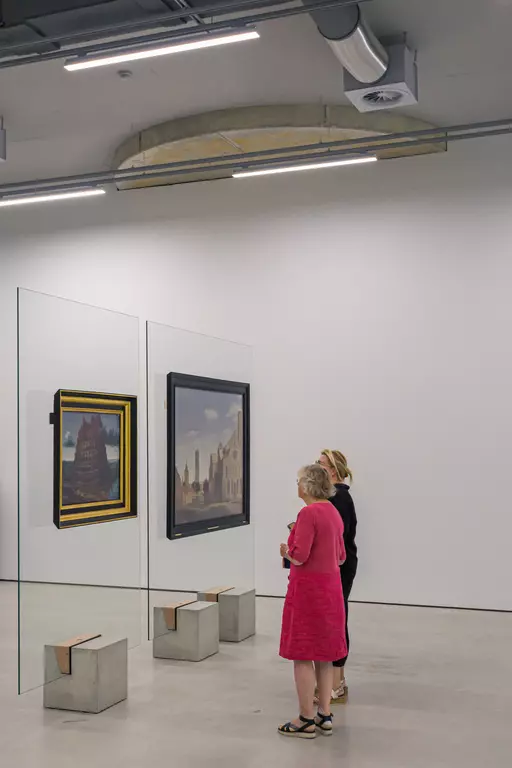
<point x="211" y="595"/>
<point x="170" y="612"/>
<point x="63" y="651"/>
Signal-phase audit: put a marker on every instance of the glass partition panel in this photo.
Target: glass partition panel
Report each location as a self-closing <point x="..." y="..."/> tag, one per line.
<point x="79" y="531"/>
<point x="200" y="530"/>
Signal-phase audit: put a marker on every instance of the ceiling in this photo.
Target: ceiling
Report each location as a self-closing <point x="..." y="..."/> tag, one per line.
<point x="61" y="123"/>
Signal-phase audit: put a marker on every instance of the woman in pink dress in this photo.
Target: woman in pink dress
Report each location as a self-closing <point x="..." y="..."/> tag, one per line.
<point x="314" y="610"/>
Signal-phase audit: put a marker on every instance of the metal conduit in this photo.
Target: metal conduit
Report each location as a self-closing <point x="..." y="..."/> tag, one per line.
<point x="254" y="160"/>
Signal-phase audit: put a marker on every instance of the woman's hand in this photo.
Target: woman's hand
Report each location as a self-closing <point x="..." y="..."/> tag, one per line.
<point x="284" y="550"/>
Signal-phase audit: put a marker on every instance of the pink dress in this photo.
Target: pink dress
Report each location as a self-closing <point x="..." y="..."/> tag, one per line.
<point x="313" y="626"/>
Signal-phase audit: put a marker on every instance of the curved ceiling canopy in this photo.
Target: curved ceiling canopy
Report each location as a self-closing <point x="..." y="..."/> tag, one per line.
<point x="258" y="129"/>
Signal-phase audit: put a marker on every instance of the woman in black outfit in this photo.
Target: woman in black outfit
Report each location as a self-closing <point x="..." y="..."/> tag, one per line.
<point x="336" y="464"/>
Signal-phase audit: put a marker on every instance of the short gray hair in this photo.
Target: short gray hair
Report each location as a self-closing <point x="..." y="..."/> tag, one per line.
<point x="315" y="482"/>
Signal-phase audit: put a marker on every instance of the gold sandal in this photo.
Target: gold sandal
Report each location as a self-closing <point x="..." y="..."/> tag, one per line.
<point x="340" y="696"/>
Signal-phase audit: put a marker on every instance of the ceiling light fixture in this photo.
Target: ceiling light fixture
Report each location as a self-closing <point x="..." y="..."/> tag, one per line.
<point x="308" y="167"/>
<point x="48" y="197"/>
<point x="104" y="60"/>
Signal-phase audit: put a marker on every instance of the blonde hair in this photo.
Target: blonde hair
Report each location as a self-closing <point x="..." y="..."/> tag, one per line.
<point x="338" y="463"/>
<point x="315" y="482"/>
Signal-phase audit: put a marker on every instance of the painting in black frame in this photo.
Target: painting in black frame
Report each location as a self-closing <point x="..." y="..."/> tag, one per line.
<point x="95" y="458"/>
<point x="208" y="444"/>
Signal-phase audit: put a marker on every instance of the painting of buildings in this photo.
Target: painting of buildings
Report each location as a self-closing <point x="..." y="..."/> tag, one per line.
<point x="221" y="488"/>
<point x="210" y="452"/>
<point x="90" y="457"/>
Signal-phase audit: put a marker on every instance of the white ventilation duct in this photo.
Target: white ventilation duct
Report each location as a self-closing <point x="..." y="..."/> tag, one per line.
<point x="352" y="41"/>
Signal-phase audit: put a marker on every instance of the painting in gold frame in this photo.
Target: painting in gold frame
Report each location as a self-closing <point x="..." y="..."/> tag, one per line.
<point x="95" y="458"/>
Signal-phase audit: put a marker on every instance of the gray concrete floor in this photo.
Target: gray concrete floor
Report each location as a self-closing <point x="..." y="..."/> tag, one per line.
<point x="428" y="689"/>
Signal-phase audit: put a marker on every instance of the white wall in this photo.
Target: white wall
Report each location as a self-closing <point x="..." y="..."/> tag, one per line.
<point x="377" y="303"/>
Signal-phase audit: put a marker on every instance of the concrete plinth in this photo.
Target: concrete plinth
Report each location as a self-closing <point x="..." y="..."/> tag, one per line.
<point x="96" y="678"/>
<point x="237" y="615"/>
<point x="237" y="612"/>
<point x="195" y="637"/>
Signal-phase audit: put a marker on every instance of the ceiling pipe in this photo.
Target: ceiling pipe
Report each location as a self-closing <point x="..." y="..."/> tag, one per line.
<point x="352" y="41"/>
<point x="320" y="151"/>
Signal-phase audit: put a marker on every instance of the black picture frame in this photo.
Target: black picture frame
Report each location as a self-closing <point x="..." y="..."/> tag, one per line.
<point x="175" y="529"/>
<point x="95" y="404"/>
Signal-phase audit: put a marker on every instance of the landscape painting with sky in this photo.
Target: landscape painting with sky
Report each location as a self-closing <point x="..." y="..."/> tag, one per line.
<point x="209" y="450"/>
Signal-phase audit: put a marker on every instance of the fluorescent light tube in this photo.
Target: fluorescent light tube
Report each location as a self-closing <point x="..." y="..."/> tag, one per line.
<point x="103" y="60"/>
<point x="49" y="197"/>
<point x="309" y="167"/>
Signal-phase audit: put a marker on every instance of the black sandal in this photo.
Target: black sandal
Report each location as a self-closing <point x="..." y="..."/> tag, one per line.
<point x="299" y="731"/>
<point x="324" y="724"/>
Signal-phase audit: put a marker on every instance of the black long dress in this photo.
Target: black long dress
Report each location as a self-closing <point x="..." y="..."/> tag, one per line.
<point x="344" y="503"/>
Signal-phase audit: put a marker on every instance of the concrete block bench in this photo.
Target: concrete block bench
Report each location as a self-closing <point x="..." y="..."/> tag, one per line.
<point x="237" y="612"/>
<point x="88" y="673"/>
<point x="187" y="631"/>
